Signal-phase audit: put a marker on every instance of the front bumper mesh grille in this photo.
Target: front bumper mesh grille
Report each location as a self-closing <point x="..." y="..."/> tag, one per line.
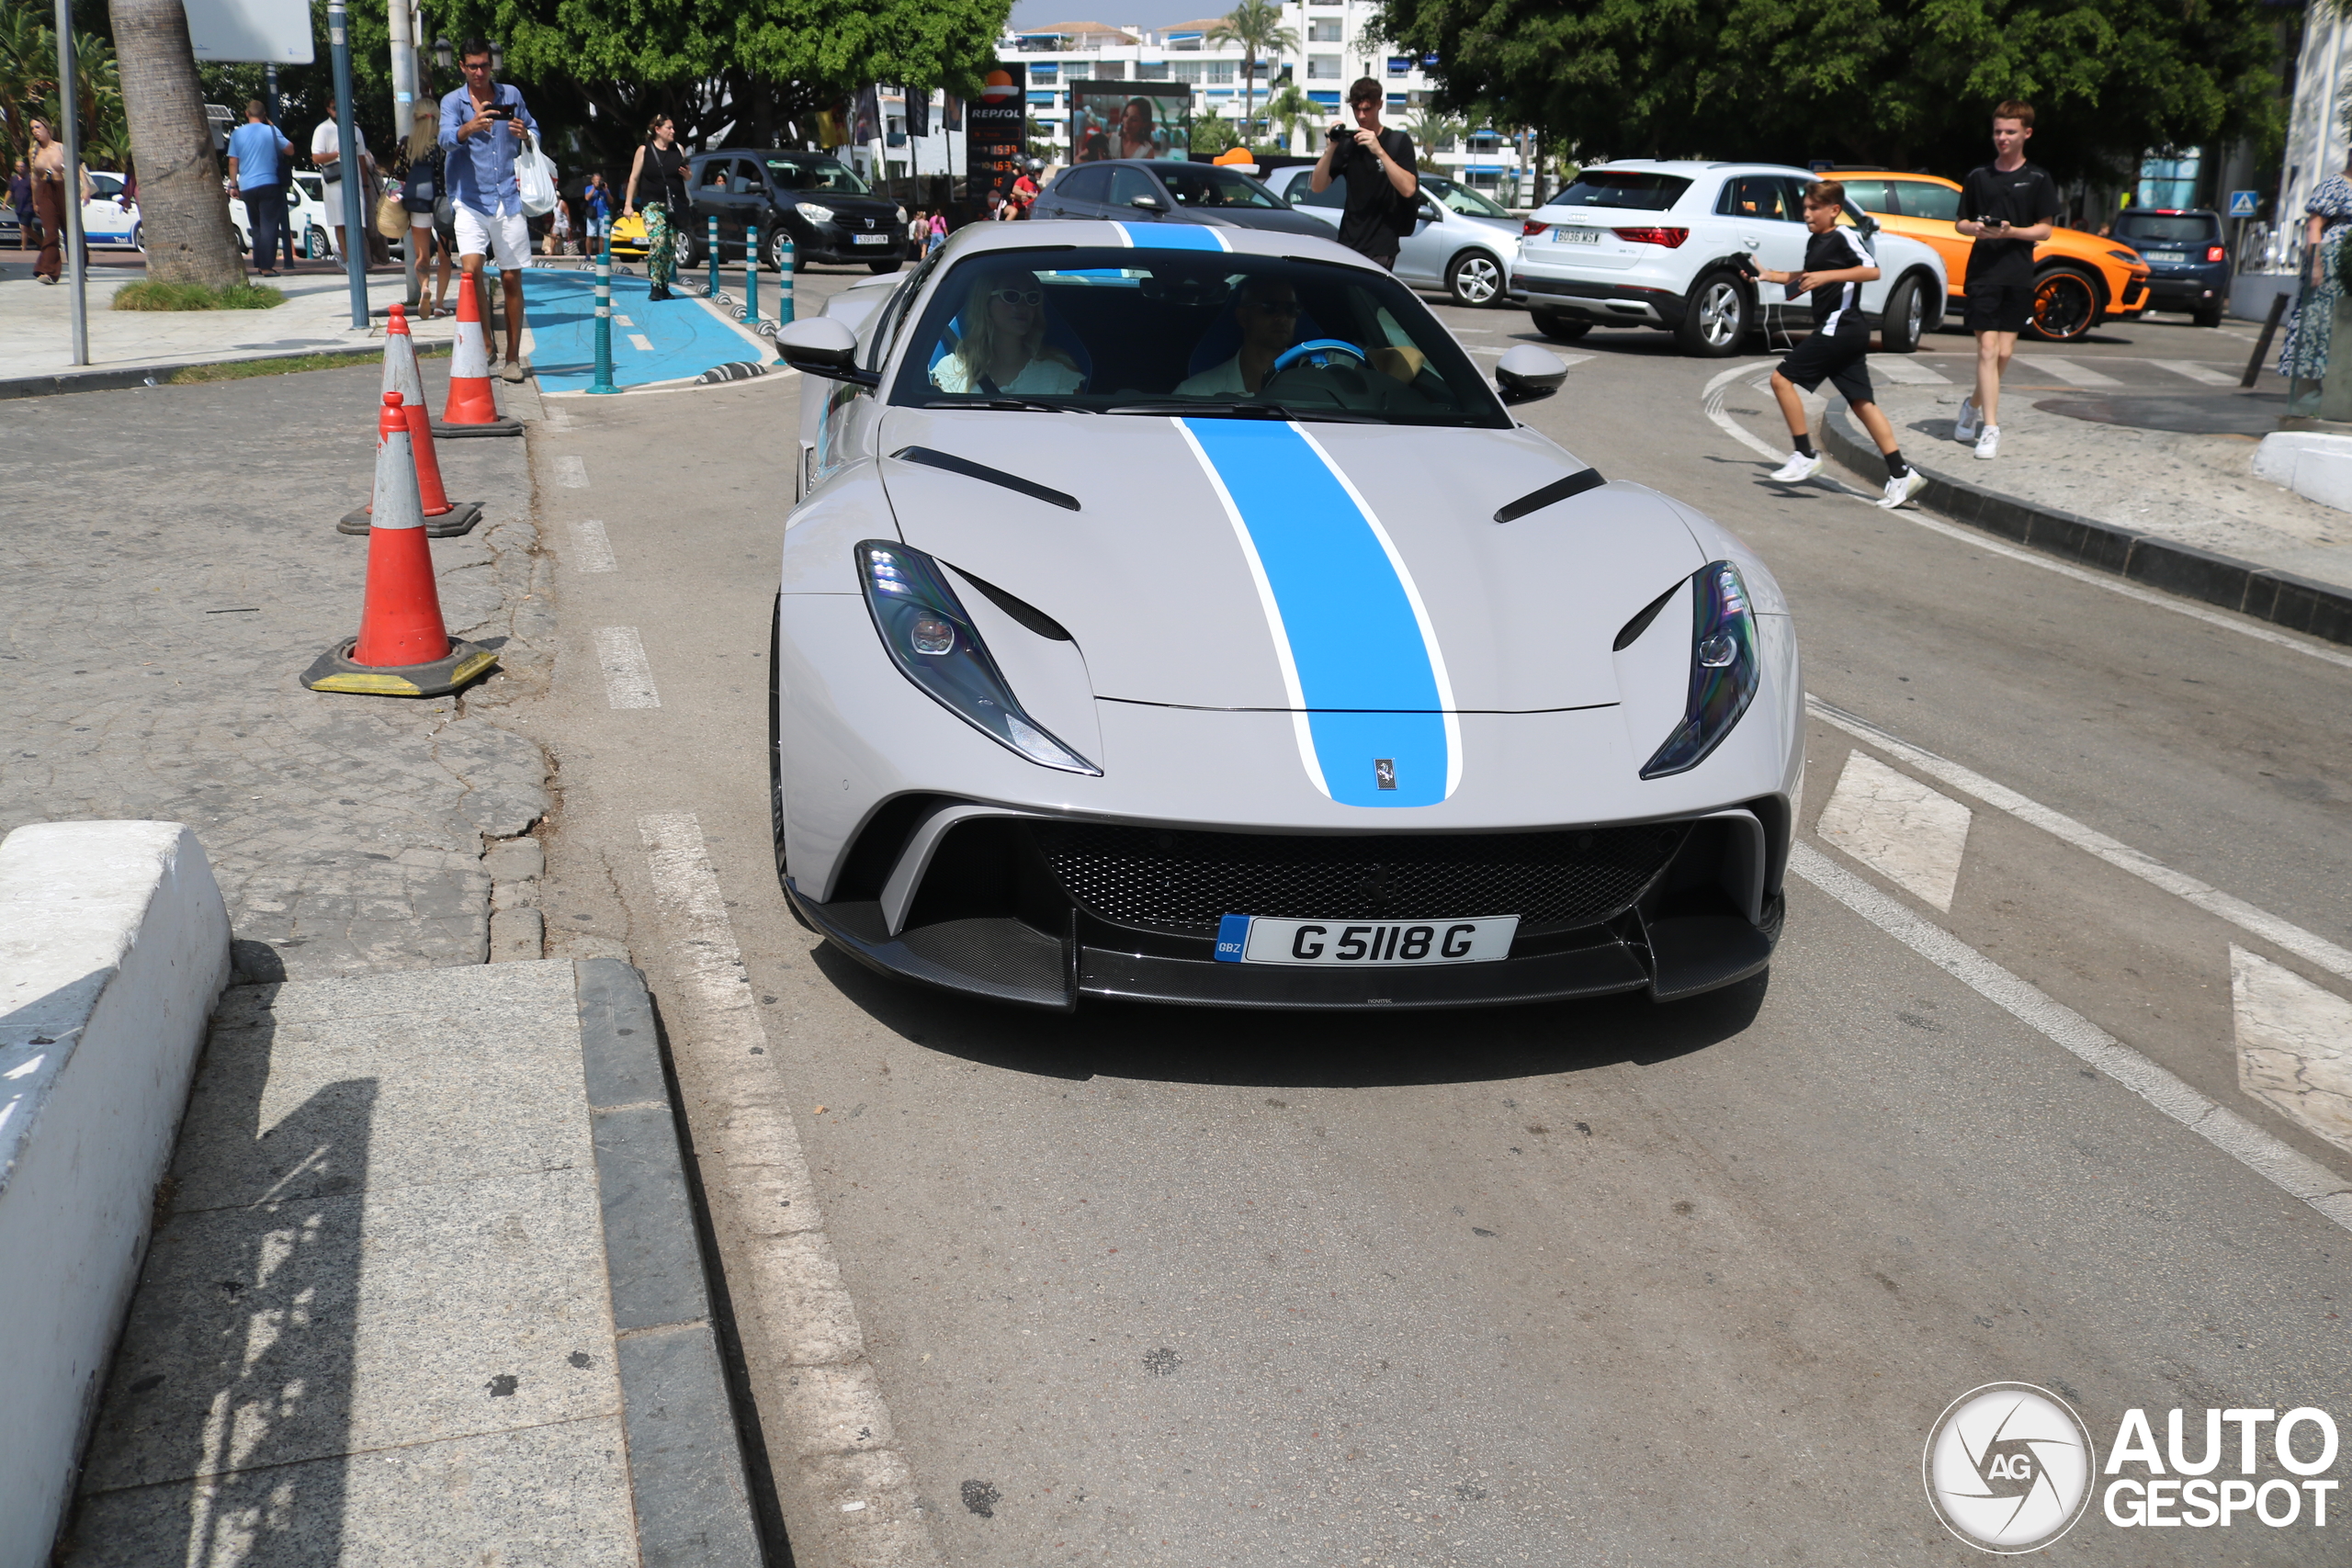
<point x="1174" y="878"/>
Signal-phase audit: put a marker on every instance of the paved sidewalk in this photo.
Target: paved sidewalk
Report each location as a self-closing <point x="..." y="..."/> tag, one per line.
<point x="170" y="568"/>
<point x="426" y="1290"/>
<point x="2194" y="490"/>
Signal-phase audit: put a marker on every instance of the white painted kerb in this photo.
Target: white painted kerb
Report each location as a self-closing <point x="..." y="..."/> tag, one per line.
<point x="114" y="945"/>
<point x="2310" y="463"/>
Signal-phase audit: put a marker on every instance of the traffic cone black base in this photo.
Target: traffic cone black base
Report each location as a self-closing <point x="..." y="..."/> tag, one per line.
<point x="334" y="672"/>
<point x="460" y="519"/>
<point x="502" y="426"/>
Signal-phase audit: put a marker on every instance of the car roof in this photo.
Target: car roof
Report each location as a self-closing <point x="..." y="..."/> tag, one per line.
<point x="1046" y="235"/>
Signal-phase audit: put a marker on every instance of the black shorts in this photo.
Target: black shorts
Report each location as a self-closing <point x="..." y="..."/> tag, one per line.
<point x="1838" y="358"/>
<point x="1999" y="307"/>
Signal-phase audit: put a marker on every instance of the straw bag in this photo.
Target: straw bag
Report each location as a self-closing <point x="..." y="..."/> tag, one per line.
<point x="392" y="216"/>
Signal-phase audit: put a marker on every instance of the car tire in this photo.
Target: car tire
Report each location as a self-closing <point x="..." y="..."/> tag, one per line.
<point x="1720" y="313"/>
<point x="1475" y="280"/>
<point x="2065" y="306"/>
<point x="1559" y="326"/>
<point x="772" y="249"/>
<point x="2207" y="315"/>
<point x="1907" y="318"/>
<point x="893" y="264"/>
<point x="138" y="236"/>
<point x="317" y="244"/>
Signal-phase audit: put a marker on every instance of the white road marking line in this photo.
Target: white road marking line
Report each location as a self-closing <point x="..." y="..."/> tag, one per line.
<point x="2067" y="370"/>
<point x="2196" y="371"/>
<point x="2303" y="944"/>
<point x="1976" y="538"/>
<point x="2293" y="1173"/>
<point x="2294" y="1044"/>
<point x="592" y="548"/>
<point x="558" y="419"/>
<point x="1898" y="827"/>
<point x="623" y="321"/>
<point x="1907" y="371"/>
<point x="628" y="674"/>
<point x="571" y="473"/>
<point x="640" y="343"/>
<point x="819" y="1385"/>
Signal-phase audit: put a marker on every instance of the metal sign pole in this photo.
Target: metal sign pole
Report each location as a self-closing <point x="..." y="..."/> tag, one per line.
<point x="69" y="135"/>
<point x="358" y="205"/>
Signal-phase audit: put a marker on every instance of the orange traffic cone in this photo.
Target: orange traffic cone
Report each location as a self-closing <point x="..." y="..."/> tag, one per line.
<point x="402" y="648"/>
<point x="444" y="519"/>
<point x="471" y="410"/>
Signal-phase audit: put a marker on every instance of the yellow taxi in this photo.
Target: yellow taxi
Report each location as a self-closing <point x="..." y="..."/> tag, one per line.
<point x="2079" y="280"/>
<point x="628" y="236"/>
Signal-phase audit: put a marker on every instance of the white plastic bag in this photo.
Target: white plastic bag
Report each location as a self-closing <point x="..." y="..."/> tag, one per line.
<point x="535" y="181"/>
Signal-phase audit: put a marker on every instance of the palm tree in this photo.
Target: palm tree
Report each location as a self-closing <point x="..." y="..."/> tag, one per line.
<point x="1434" y="133"/>
<point x="181" y="208"/>
<point x="1257" y="27"/>
<point x="1289" y="107"/>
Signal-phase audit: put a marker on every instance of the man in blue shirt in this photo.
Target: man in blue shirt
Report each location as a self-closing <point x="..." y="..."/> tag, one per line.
<point x="484" y="124"/>
<point x="258" y="166"/>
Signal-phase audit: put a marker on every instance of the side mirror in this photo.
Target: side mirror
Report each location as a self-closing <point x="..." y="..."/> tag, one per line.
<point x="1522" y="375"/>
<point x="819" y="345"/>
<point x="1150" y="204"/>
<point x="1430" y="214"/>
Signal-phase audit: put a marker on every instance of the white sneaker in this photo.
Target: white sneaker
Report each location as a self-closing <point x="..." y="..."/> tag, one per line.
<point x="1798" y="467"/>
<point x="1963" y="429"/>
<point x="1902" y="489"/>
<point x="1988" y="444"/>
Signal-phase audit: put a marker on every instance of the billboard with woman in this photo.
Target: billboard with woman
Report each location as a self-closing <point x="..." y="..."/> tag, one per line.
<point x="1129" y="119"/>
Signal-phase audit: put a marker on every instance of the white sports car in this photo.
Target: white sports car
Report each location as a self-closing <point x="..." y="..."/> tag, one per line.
<point x="1177" y="614"/>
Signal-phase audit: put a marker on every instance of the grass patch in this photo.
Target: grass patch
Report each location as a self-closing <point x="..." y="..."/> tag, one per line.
<point x="241" y="369"/>
<point x="153" y="295"/>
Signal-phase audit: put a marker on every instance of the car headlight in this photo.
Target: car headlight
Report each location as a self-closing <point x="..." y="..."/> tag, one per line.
<point x="816" y="212"/>
<point x="924" y="626"/>
<point x="1723" y="670"/>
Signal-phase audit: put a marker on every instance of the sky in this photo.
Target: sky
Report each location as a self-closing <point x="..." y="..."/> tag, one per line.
<point x="1115" y="13"/>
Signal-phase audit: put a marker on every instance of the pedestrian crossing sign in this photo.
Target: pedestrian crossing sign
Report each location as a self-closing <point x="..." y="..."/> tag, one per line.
<point x="2244" y="203"/>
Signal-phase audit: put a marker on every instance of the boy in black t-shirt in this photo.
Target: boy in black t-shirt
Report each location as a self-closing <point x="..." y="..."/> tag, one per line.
<point x="2007" y="207"/>
<point x="1377" y="165"/>
<point x="1836" y="265"/>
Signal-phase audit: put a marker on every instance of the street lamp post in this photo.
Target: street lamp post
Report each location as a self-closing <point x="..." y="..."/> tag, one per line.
<point x="69" y="135"/>
<point x="357" y="203"/>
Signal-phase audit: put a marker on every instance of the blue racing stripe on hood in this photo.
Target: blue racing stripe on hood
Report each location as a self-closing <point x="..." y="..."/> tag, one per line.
<point x="1347" y="622"/>
<point x="1173" y="236"/>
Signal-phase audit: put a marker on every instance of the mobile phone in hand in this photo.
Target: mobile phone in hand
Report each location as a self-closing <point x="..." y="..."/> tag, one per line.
<point x="498" y="111"/>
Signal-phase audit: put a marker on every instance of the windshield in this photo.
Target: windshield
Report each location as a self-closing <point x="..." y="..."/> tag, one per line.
<point x="2147" y="228"/>
<point x="816" y="173"/>
<point x="1461" y="198"/>
<point x="1195" y="332"/>
<point x="1636" y="188"/>
<point x="1198" y="187"/>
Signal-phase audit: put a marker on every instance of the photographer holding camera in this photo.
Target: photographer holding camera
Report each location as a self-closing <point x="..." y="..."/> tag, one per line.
<point x="1384" y="195"/>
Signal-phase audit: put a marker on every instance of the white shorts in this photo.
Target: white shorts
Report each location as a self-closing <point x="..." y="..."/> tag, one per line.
<point x="504" y="236"/>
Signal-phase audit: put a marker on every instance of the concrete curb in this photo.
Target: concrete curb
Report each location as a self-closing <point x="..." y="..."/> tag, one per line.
<point x="130" y="376"/>
<point x="2298" y="604"/>
<point x="114" y="944"/>
<point x="687" y="1477"/>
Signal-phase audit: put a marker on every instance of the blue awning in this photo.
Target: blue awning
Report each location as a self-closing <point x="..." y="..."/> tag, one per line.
<point x="1484" y="169"/>
<point x="1043" y="98"/>
<point x="1330" y="98"/>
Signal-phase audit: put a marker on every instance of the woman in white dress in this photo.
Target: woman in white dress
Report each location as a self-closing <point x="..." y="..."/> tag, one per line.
<point x="1003" y="349"/>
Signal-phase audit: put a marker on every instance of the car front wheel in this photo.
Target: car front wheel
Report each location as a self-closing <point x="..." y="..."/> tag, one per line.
<point x="1559" y="326"/>
<point x="1905" y="319"/>
<point x="2064" y="306"/>
<point x="1473" y="278"/>
<point x="1718" y="322"/>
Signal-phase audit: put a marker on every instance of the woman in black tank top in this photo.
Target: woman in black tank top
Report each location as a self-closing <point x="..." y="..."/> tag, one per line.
<point x="661" y="169"/>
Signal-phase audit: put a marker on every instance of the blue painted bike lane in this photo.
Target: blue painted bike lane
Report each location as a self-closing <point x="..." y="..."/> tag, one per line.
<point x="676" y="340"/>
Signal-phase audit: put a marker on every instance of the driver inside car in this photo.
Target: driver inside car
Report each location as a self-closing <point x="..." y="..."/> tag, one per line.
<point x="1002" y="346"/>
<point x="1267" y="309"/>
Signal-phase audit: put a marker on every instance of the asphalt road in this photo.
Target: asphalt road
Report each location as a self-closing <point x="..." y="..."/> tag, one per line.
<point x="1581" y="1285"/>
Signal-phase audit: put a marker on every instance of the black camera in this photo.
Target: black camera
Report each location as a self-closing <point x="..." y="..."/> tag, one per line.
<point x="1341" y="134"/>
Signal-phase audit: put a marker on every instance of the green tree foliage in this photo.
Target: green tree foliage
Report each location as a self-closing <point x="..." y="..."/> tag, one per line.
<point x="1213" y="134"/>
<point x="28" y="84"/>
<point x="1257" y="27"/>
<point x="1907" y="83"/>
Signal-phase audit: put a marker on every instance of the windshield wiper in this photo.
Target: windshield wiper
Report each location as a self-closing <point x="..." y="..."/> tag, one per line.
<point x="1009" y="405"/>
<point x="1211" y="409"/>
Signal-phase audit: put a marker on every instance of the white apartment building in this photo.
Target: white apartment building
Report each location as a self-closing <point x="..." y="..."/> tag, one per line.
<point x="1335" y="49"/>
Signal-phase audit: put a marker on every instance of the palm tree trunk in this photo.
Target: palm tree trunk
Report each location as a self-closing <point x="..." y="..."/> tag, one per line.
<point x="182" y="213"/>
<point x="1248" y="86"/>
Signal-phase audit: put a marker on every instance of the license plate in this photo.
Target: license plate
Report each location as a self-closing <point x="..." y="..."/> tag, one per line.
<point x="2164" y="256"/>
<point x="870" y="239"/>
<point x="1572" y="234"/>
<point x="1364" y="944"/>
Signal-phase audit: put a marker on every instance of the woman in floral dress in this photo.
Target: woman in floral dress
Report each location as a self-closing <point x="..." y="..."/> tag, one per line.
<point x="2328" y="221"/>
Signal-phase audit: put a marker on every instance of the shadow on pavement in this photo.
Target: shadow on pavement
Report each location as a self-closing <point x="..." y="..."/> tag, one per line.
<point x="1308" y="1050"/>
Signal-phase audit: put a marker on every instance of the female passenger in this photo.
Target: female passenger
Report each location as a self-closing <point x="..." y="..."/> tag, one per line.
<point x="1004" y="348"/>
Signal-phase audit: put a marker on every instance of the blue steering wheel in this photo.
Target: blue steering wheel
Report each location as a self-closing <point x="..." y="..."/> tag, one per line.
<point x="1317" y="351"/>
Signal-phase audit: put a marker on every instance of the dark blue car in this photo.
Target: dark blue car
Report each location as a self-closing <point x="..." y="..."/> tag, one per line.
<point x="2189" y="264"/>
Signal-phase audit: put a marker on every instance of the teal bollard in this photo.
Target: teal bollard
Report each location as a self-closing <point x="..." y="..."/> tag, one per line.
<point x="786" y="259"/>
<point x="751" y="275"/>
<point x="603" y="381"/>
<point x="714" y="255"/>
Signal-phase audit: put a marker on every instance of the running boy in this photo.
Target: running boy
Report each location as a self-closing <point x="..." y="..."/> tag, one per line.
<point x="1836" y="265"/>
<point x="2007" y="207"/>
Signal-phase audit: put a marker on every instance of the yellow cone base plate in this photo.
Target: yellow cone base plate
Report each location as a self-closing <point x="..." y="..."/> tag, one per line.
<point x="334" y="672"/>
